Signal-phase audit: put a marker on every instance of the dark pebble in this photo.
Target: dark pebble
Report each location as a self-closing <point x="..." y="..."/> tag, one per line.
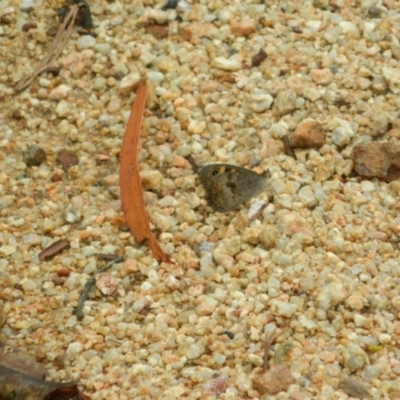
<point x="67" y="159"/>
<point x="34" y="155"/>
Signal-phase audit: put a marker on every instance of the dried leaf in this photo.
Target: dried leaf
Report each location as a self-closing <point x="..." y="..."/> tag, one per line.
<point x="22" y="378"/>
<point x="130" y="184"/>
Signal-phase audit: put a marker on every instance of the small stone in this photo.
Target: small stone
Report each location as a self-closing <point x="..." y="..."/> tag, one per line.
<point x="330" y="295"/>
<point x="355" y="302"/>
<point x="354" y="357"/>
<point x="396" y="302"/>
<point x="75" y="62"/>
<point x="197" y="30"/>
<point x="196" y="127"/>
<point x="106" y="283"/>
<point x="285" y="101"/>
<point x="377" y="159"/>
<point x="62" y="108"/>
<point x="392" y="76"/>
<point x="342" y="134"/>
<point x="245" y="27"/>
<point x="73" y="210"/>
<point x="352" y="388"/>
<point x="73" y="350"/>
<point x="260" y="101"/>
<point x="216" y="386"/>
<point x="28" y="26"/>
<point x="309" y="134"/>
<point x="269" y="236"/>
<point x="322" y="76"/>
<point x="275" y="380"/>
<point x="59" y="92"/>
<point x="207" y="305"/>
<point x="6" y="250"/>
<point x="282" y="308"/>
<point x="27" y="5"/>
<point x="129" y="83"/>
<point x="34" y="155"/>
<point x="67" y="159"/>
<point x="151" y="179"/>
<point x="307" y="197"/>
<point x="194" y="351"/>
<point x="85" y="42"/>
<point x="28" y="285"/>
<point x="155" y="76"/>
<point x="228" y="64"/>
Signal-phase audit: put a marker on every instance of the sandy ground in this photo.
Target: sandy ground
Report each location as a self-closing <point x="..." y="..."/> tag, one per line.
<point x="316" y="260"/>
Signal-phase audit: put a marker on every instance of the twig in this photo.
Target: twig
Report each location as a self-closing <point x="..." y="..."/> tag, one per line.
<point x="88" y="285"/>
<point x="288" y="147"/>
<point x="60" y="41"/>
<point x="269" y="339"/>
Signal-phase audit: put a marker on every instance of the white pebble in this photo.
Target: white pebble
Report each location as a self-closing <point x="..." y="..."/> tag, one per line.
<point x="282" y="308"/>
<point x="260" y="101"/>
<point x="73" y="350"/>
<point x="85" y="42"/>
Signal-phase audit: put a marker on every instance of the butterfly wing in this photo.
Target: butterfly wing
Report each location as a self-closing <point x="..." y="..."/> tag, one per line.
<point x="227" y="186"/>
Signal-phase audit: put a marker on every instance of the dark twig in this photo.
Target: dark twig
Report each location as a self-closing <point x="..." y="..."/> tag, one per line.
<point x="269" y="339"/>
<point x="287" y="144"/>
<point x="60" y="41"/>
<point x="88" y="285"/>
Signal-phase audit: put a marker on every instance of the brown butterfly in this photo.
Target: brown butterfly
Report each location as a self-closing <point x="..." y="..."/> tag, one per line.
<point x="227" y="186"/>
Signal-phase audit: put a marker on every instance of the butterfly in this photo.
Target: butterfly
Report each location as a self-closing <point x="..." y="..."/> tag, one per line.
<point x="228" y="186"/>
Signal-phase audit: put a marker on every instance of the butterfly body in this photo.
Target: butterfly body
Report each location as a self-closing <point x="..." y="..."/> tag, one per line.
<point x="228" y="186"/>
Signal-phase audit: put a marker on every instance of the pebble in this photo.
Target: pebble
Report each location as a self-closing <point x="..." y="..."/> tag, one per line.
<point x="330" y="295"/>
<point x="34" y="155"/>
<point x="28" y="285"/>
<point x="392" y="76"/>
<point x="353" y="388"/>
<point x="244" y="27"/>
<point x="282" y="308"/>
<point x="7" y="251"/>
<point x="27" y="5"/>
<point x="260" y="101"/>
<point x="63" y="108"/>
<point x="377" y="159"/>
<point x="59" y="92"/>
<point x="308" y="134"/>
<point x="228" y="64"/>
<point x="129" y="83"/>
<point x="322" y="76"/>
<point x="354" y="357"/>
<point x="342" y="135"/>
<point x="73" y="350"/>
<point x="285" y="101"/>
<point x="67" y="159"/>
<point x="85" y="42"/>
<point x="275" y="380"/>
<point x="106" y="283"/>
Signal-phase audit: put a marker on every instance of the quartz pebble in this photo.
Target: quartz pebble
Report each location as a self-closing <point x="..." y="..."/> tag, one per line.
<point x="85" y="42"/>
<point x="129" y="83"/>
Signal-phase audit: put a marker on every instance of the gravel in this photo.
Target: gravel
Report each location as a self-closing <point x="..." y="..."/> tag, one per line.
<point x="315" y="257"/>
